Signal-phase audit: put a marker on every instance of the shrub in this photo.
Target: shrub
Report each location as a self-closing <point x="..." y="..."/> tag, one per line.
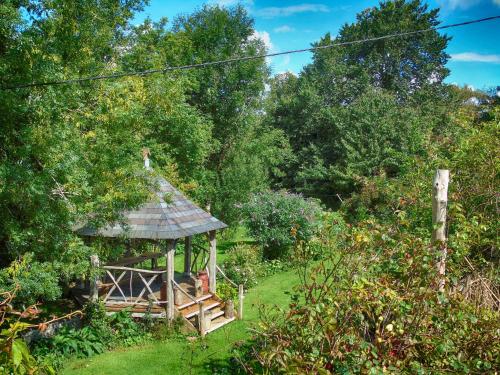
<point x="373" y="307"/>
<point x="35" y="280"/>
<point x="278" y="219"/>
<point x="98" y="335"/>
<point x="242" y="264"/>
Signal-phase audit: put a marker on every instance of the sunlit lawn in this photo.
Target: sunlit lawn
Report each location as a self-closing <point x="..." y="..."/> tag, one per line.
<point x="179" y="356"/>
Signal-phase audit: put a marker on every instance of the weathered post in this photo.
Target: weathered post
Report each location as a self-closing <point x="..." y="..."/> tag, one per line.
<point x="439" y="205"/>
<point x="170" y="279"/>
<point x="94" y="281"/>
<point x="212" y="263"/>
<point x="201" y="319"/>
<point x="240" y="301"/>
<point x="187" y="255"/>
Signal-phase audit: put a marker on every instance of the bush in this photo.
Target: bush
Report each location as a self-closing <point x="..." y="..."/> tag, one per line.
<point x="36" y="281"/>
<point x="373" y="307"/>
<point x="98" y="335"/>
<point x="278" y="219"/>
<point x="243" y="264"/>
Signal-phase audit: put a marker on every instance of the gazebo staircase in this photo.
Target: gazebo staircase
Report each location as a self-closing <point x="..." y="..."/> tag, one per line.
<point x="214" y="313"/>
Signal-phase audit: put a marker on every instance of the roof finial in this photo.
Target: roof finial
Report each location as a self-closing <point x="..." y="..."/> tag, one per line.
<point x="145" y="155"/>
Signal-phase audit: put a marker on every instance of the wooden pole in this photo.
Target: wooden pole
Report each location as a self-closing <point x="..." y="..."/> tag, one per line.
<point x="439" y="206"/>
<point x="187" y="255"/>
<point x="212" y="263"/>
<point x="170" y="279"/>
<point x="94" y="283"/>
<point x="240" y="302"/>
<point x="201" y="319"/>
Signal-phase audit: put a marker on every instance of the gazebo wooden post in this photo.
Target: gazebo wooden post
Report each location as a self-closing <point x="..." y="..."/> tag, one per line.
<point x="212" y="263"/>
<point x="170" y="279"/>
<point x="95" y="280"/>
<point x="187" y="255"/>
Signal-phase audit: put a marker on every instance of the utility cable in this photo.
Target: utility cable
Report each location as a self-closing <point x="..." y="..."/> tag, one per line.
<point x="244" y="58"/>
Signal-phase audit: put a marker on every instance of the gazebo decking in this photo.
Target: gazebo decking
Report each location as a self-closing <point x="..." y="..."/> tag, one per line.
<point x="131" y="297"/>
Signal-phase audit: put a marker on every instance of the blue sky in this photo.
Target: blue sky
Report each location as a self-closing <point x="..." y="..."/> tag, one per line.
<point x="284" y="25"/>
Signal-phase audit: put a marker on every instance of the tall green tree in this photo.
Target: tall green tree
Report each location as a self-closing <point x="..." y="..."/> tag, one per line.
<point x="231" y="96"/>
<point x="401" y="65"/>
<point x="362" y="109"/>
<point x="73" y="150"/>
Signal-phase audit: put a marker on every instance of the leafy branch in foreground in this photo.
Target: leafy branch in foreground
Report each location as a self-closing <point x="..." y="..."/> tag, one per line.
<point x="15" y="356"/>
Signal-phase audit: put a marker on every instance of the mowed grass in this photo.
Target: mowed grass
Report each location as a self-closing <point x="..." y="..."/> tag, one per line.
<point x="180" y="356"/>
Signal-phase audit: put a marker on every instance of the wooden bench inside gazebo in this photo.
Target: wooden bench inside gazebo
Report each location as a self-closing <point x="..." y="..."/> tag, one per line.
<point x="129" y="283"/>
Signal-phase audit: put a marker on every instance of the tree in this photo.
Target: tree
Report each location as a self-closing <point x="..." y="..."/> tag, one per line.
<point x="363" y="109"/>
<point x="71" y="151"/>
<point x="231" y="96"/>
<point x="401" y="65"/>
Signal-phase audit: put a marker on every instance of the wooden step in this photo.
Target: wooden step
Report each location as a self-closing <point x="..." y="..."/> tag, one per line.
<point x="219" y="322"/>
<point x="215" y="313"/>
<point x="191" y="303"/>
<point x="195" y="310"/>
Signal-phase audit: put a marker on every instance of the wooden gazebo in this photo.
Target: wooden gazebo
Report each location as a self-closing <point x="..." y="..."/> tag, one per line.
<point x="160" y="291"/>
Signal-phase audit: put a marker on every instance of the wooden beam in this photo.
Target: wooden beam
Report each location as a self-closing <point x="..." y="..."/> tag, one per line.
<point x="439" y="206"/>
<point x="170" y="252"/>
<point x="212" y="262"/>
<point x="94" y="282"/>
<point x="188" y="249"/>
<point x="201" y="319"/>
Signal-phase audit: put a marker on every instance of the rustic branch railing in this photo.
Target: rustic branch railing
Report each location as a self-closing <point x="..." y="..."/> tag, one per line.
<point x="176" y="285"/>
<point x="201" y="309"/>
<point x="226" y="278"/>
<point x="142" y="276"/>
<point x="240" y="291"/>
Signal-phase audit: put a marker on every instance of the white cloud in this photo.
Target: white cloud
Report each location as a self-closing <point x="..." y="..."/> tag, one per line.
<point x="496" y="2"/>
<point x="475" y="57"/>
<point x="286" y="60"/>
<point x="228" y="3"/>
<point x="287" y="29"/>
<point x="458" y="4"/>
<point x="272" y="12"/>
<point x="264" y="37"/>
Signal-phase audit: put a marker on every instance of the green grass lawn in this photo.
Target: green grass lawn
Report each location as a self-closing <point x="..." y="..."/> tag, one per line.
<point x="179" y="356"/>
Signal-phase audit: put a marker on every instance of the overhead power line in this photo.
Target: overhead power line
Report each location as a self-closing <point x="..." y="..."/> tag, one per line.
<point x="244" y="58"/>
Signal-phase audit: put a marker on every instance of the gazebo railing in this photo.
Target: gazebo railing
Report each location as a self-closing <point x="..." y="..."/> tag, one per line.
<point x="201" y="309"/>
<point x="147" y="277"/>
<point x="236" y="286"/>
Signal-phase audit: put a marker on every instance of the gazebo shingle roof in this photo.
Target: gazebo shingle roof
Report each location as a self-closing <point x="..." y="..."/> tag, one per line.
<point x="172" y="219"/>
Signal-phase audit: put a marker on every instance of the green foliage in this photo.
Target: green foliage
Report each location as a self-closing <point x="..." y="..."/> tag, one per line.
<point x="35" y="280"/>
<point x="400" y="65"/>
<point x="244" y="152"/>
<point x="226" y="291"/>
<point x="278" y="219"/>
<point x="372" y="307"/>
<point x="366" y="109"/>
<point x="15" y="355"/>
<point x="469" y="152"/>
<point x="99" y="334"/>
<point x="71" y="154"/>
<point x="242" y="264"/>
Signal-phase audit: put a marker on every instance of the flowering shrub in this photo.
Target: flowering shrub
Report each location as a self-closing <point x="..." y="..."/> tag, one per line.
<point x="278" y="219"/>
<point x="242" y="264"/>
